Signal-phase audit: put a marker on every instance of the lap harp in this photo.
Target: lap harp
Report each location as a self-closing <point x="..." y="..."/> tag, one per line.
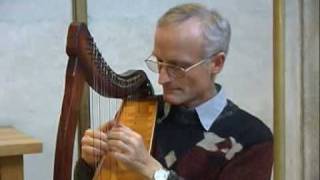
<point x="138" y="110"/>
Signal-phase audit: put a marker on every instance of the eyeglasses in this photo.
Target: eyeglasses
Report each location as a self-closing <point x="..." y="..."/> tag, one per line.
<point x="173" y="71"/>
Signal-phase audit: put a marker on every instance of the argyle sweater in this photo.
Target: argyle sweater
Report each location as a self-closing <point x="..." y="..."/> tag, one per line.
<point x="238" y="146"/>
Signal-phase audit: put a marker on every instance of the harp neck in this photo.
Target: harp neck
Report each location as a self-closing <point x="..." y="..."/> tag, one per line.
<point x="99" y="75"/>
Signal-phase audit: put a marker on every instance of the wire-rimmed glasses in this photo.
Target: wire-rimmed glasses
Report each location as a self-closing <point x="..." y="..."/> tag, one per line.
<point x="173" y="71"/>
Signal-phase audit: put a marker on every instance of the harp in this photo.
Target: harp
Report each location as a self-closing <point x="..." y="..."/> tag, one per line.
<point x="138" y="110"/>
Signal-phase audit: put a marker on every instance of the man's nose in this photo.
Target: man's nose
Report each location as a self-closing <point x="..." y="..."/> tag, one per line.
<point x="163" y="76"/>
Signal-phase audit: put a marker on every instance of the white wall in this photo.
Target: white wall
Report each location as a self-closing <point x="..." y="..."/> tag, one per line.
<point x="32" y="66"/>
<point x="32" y="58"/>
<point x="124" y="34"/>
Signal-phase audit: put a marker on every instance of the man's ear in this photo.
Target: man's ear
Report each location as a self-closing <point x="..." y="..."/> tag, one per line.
<point x="217" y="62"/>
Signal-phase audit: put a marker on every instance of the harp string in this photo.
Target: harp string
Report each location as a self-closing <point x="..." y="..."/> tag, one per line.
<point x="103" y="109"/>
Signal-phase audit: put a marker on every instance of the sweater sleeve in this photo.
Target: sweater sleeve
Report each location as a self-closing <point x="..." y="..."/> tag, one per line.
<point x="83" y="171"/>
<point x="254" y="163"/>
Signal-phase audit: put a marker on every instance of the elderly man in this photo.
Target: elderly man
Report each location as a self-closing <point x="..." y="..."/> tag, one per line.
<point x="200" y="134"/>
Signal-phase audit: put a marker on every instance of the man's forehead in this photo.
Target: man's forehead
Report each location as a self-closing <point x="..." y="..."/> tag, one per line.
<point x="175" y="60"/>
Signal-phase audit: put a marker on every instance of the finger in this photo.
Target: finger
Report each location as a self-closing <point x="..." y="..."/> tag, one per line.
<point x="126" y="130"/>
<point x="123" y="129"/>
<point x="92" y="151"/>
<point x="134" y="138"/>
<point x="119" y="146"/>
<point x="107" y="126"/>
<point x="121" y="157"/>
<point x="94" y="142"/>
<point x="97" y="134"/>
<point x="120" y="135"/>
<point x="126" y="135"/>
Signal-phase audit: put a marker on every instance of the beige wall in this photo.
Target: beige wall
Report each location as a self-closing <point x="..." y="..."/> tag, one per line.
<point x="310" y="95"/>
<point x="302" y="89"/>
<point x="32" y="66"/>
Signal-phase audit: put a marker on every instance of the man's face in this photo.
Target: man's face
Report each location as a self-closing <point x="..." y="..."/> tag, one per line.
<point x="181" y="45"/>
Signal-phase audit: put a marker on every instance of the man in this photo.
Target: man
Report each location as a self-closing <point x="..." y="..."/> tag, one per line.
<point x="199" y="134"/>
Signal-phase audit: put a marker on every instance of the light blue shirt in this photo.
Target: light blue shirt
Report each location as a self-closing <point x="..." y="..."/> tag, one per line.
<point x="211" y="109"/>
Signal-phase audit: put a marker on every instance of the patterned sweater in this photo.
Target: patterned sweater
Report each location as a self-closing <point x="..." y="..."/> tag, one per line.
<point x="238" y="146"/>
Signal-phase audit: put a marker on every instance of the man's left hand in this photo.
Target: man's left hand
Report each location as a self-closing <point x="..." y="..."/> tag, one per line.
<point x="128" y="147"/>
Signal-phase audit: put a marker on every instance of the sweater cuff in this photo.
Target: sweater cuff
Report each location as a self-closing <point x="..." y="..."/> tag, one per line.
<point x="83" y="171"/>
<point x="174" y="176"/>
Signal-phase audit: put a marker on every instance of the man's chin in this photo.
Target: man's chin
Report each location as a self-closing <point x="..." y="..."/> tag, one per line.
<point x="171" y="99"/>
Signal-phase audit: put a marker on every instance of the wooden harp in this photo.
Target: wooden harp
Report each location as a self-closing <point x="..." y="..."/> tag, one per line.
<point x="138" y="110"/>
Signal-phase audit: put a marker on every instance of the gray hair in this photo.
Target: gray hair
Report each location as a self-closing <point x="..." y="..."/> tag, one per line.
<point x="216" y="29"/>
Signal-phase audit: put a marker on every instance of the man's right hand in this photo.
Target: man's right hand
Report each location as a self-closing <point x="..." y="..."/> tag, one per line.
<point x="94" y="144"/>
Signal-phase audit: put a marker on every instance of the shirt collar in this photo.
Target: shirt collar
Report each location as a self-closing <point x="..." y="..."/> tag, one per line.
<point x="211" y="109"/>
